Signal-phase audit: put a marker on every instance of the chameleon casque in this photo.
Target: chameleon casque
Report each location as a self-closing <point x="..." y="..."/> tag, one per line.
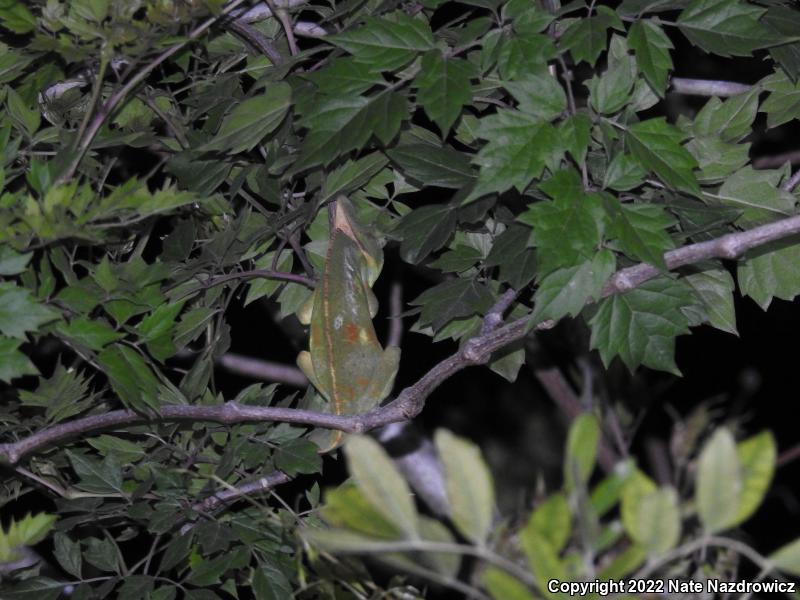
<point x="345" y="361"/>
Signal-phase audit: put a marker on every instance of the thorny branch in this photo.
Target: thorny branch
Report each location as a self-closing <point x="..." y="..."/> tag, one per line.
<point x="411" y="400"/>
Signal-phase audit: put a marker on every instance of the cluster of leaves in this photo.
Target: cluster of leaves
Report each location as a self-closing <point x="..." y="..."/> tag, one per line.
<point x="626" y="523"/>
<point x="149" y="166"/>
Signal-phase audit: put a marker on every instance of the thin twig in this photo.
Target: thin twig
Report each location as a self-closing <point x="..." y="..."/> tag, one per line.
<point x="234" y="493"/>
<point x="395" y="336"/>
<point x="708" y="87"/>
<point x="256" y="39"/>
<point x="252" y="274"/>
<point x="286" y="23"/>
<point x="264" y="370"/>
<point x="792" y="182"/>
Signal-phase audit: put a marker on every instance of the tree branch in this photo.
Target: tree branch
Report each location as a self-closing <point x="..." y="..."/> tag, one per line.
<point x="262" y="369"/>
<point x="233" y="493"/>
<point x="708" y="87"/>
<point x="411" y="400"/>
<point x="252" y="36"/>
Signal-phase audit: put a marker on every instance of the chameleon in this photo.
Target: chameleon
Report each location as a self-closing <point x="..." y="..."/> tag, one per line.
<point x="345" y="361"/>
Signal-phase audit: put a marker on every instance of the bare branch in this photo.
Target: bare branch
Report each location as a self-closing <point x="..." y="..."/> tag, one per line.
<point x="395" y="311"/>
<point x="792" y="182"/>
<point x="774" y="161"/>
<point x="729" y="246"/>
<point x="262" y="369"/>
<point x="225" y="496"/>
<point x="411" y="400"/>
<point x="708" y="87"/>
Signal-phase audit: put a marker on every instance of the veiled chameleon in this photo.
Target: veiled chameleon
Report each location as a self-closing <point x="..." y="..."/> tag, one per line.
<point x="345" y="361"/>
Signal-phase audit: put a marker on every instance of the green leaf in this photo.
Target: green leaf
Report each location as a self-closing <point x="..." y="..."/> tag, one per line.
<point x="640" y="229"/>
<point x="67" y="553"/>
<point x="731" y="119"/>
<point x="502" y="586"/>
<point x="379" y="481"/>
<point x="351" y="176"/>
<point x="511" y="253"/>
<point x="518" y="148"/>
<point x="12" y="262"/>
<point x="657" y="146"/>
<point x="452" y="300"/>
<point x="425" y="230"/>
<point x="652" y="46"/>
<point x="13" y="363"/>
<point x="787" y="558"/>
<point x="252" y="120"/>
<point x="439" y="166"/>
<point x="130" y="376"/>
<point x="91" y="333"/>
<point x="623" y="173"/>
<point x="20" y="312"/>
<point x="773" y="271"/>
<point x="640" y="326"/>
<point x="717" y="159"/>
<point x="539" y="95"/>
<point x="63" y="394"/>
<point x="567" y="290"/>
<point x="726" y="27"/>
<point x="544" y="562"/>
<point x="99" y="478"/>
<point x="575" y="135"/>
<point x="714" y="288"/>
<point x="386" y="43"/>
<point x="298" y="456"/>
<point x="586" y="38"/>
<point x="757" y="457"/>
<point x="346" y="507"/>
<point x="345" y="76"/>
<point x="783" y="103"/>
<point x="581" y="450"/>
<point x="443" y="87"/>
<point x="568" y="229"/>
<point x="269" y="583"/>
<point x="654" y="519"/>
<point x="718" y="482"/>
<point x="612" y="90"/>
<point x="342" y="124"/>
<point x="24" y="117"/>
<point x="470" y="491"/>
<point x="15" y="17"/>
<point x="756" y="194"/>
<point x="552" y="519"/>
<point x="522" y="56"/>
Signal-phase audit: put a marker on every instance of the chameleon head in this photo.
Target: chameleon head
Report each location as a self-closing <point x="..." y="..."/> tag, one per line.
<point x="344" y="220"/>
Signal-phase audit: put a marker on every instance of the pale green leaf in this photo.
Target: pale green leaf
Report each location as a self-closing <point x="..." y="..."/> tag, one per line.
<point x="470" y="491"/>
<point x="757" y="456"/>
<point x="581" y="450"/>
<point x="718" y="482"/>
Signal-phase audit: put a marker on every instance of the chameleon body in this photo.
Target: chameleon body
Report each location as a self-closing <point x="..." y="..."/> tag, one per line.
<point x="345" y="362"/>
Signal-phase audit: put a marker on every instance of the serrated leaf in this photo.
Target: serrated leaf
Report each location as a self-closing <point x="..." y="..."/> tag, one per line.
<point x="14" y="363"/>
<point x="657" y="146"/>
<point x="611" y="91"/>
<point x="443" y="87"/>
<point x="252" y="120"/>
<point x="717" y="159"/>
<point x="97" y="477"/>
<point x="731" y="119"/>
<point x="757" y="458"/>
<point x="640" y="229"/>
<point x="345" y="76"/>
<point x="783" y="103"/>
<point x="771" y="272"/>
<point x="351" y="176"/>
<point x="342" y="124"/>
<point x="640" y="326"/>
<point x="518" y="148"/>
<point x="714" y="289"/>
<point x="452" y="300"/>
<point x="539" y="95"/>
<point x="92" y="333"/>
<point x="470" y="491"/>
<point x="425" y="230"/>
<point x="581" y="450"/>
<point x="386" y="43"/>
<point x="623" y="173"/>
<point x="298" y="456"/>
<point x="586" y="38"/>
<point x="718" y="482"/>
<point x="378" y="479"/>
<point x="651" y="46"/>
<point x="521" y="56"/>
<point x="20" y="312"/>
<point x="726" y="27"/>
<point x="442" y="166"/>
<point x="269" y="583"/>
<point x="68" y="554"/>
<point x="575" y="135"/>
<point x="757" y="194"/>
<point x="566" y="291"/>
<point x="130" y="376"/>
